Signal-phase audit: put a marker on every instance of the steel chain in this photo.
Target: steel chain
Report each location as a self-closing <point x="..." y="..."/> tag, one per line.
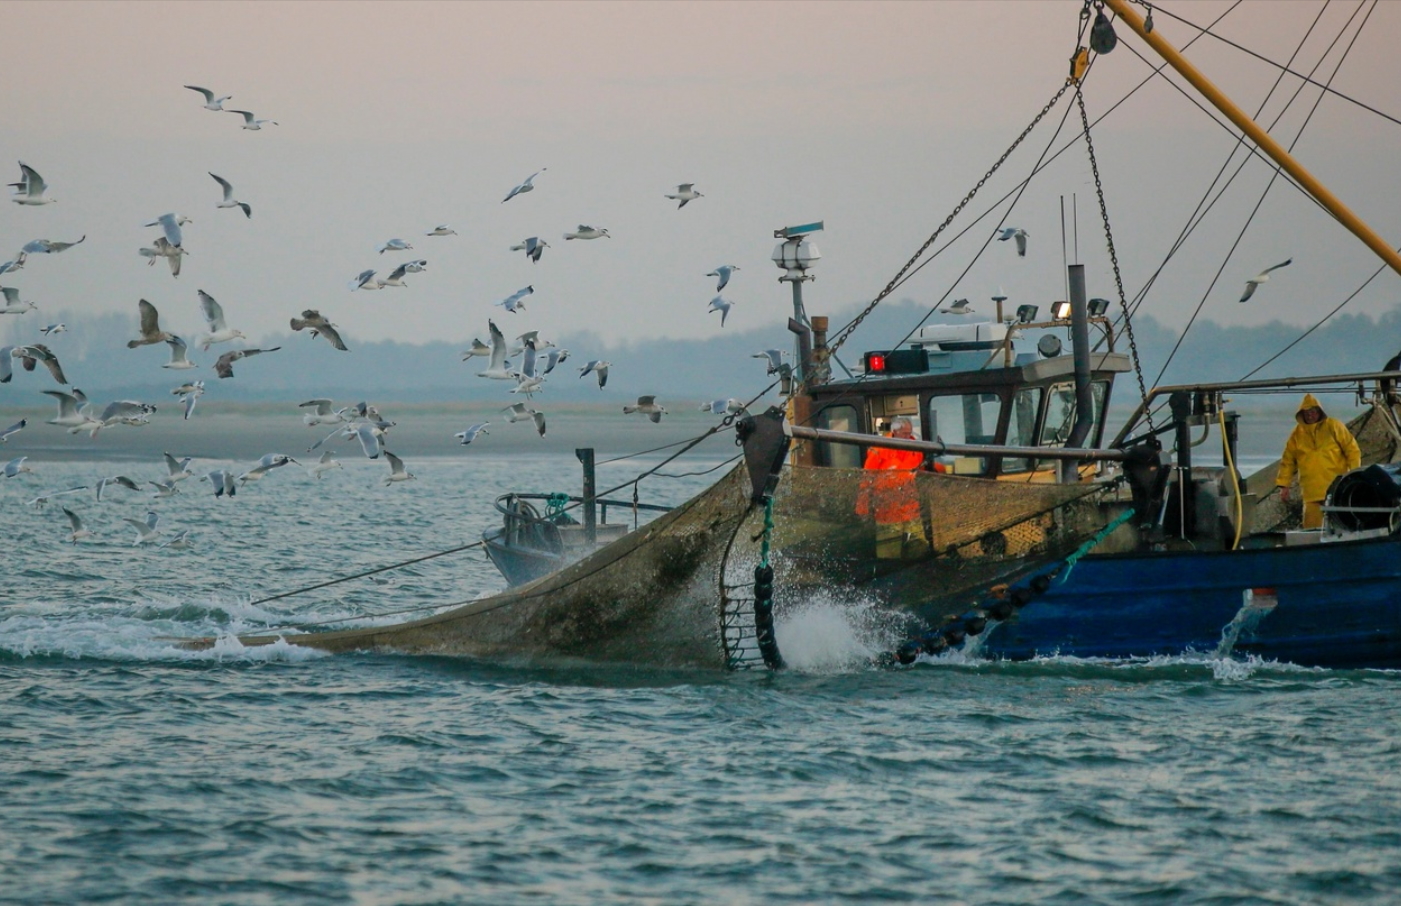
<point x="846" y="332"/>
<point x="1114" y="258"/>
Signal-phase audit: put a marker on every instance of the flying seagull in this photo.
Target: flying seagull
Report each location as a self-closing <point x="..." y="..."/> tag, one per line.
<point x="326" y="463"/>
<point x="119" y="481"/>
<point x="219" y="330"/>
<point x="723" y="306"/>
<point x="178" y="359"/>
<point x="313" y="319"/>
<point x="469" y="435"/>
<point x="210" y="101"/>
<point x="170" y="224"/>
<point x="16" y="466"/>
<point x="229" y="201"/>
<point x="519" y="412"/>
<point x="515" y="301"/>
<point x="30" y="188"/>
<point x="648" y="406"/>
<point x="478" y="348"/>
<point x="498" y="369"/>
<point x="957" y="307"/>
<point x="600" y="368"/>
<point x="13" y="306"/>
<point x="533" y="247"/>
<point x="587" y="232"/>
<point x="684" y="193"/>
<point x="151" y="332"/>
<point x="723" y="273"/>
<point x="13" y="429"/>
<point x="441" y="229"/>
<point x="365" y="280"/>
<point x="50" y="246"/>
<point x="397" y="472"/>
<point x="251" y="122"/>
<point x="526" y="186"/>
<point x="394" y="245"/>
<point x="31" y="355"/>
<point x="146" y="530"/>
<point x="1018" y="234"/>
<point x="224" y="365"/>
<point x="76" y="524"/>
<point x="1262" y="277"/>
<point x="162" y="248"/>
<point x="44" y="498"/>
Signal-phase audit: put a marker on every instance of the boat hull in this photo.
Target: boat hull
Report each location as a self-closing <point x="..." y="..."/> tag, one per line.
<point x="1332" y="605"/>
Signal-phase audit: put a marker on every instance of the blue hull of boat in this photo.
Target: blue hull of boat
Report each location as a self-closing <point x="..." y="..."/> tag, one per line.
<point x="1334" y="605"/>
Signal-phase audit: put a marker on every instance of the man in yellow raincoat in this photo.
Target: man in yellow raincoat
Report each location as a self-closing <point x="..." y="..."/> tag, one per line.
<point x="1319" y="449"/>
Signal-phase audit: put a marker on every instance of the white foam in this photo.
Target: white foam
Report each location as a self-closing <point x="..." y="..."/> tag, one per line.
<point x="827" y="635"/>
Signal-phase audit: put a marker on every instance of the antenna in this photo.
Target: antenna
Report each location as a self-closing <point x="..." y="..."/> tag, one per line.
<point x="1075" y="223"/>
<point x="1064" y="261"/>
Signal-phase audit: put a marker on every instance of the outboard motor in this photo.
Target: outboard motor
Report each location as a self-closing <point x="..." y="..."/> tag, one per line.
<point x="1366" y="499"/>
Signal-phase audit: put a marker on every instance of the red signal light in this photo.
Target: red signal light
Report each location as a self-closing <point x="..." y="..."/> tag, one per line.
<point x="875" y="362"/>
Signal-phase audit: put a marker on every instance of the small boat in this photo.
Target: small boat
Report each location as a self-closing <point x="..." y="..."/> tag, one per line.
<point x="542" y="533"/>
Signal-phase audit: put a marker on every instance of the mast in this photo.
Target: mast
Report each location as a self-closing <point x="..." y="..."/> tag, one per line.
<point x="1261" y="138"/>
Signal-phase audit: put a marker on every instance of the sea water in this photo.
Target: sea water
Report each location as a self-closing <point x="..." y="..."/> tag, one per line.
<point x="134" y="771"/>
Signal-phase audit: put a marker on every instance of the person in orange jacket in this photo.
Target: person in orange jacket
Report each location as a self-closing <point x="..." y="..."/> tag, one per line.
<point x="1319" y="449"/>
<point x="892" y="492"/>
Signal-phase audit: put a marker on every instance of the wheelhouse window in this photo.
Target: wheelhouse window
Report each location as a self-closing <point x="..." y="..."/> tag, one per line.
<point x="1021" y="430"/>
<point x="965" y="418"/>
<point x="842" y="456"/>
<point x="1060" y="413"/>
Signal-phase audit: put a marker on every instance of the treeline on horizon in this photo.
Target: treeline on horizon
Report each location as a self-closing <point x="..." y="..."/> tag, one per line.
<point x="95" y="358"/>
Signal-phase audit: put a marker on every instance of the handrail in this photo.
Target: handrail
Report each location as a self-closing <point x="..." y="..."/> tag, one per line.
<point x="1262" y="384"/>
<point x="501" y="506"/>
<point x="940" y="448"/>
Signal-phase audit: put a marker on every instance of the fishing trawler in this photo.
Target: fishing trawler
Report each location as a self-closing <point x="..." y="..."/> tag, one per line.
<point x="1035" y="534"/>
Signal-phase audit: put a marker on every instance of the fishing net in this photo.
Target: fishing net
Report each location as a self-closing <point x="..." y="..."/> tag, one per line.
<point x="660" y="595"/>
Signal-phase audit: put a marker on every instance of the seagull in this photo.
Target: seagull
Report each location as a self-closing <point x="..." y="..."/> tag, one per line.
<point x="533" y="247"/>
<point x="498" y="369"/>
<point x="249" y="121"/>
<point x="165" y="488"/>
<point x="51" y="329"/>
<point x="229" y="201"/>
<point x="265" y="465"/>
<point x="478" y="348"/>
<point x="16" y="466"/>
<point x="957" y="307"/>
<point x="684" y="193"/>
<point x="124" y="412"/>
<point x="415" y="267"/>
<point x="210" y="101"/>
<point x="553" y="358"/>
<point x="43" y="499"/>
<point x="513" y="302"/>
<point x="13" y="306"/>
<point x="599" y="367"/>
<point x="466" y="437"/>
<point x="73" y="411"/>
<point x="441" y="229"/>
<point x="528" y="385"/>
<point x="178" y="470"/>
<point x="396" y="276"/>
<point x="319" y="327"/>
<point x="322" y="413"/>
<point x="223" y="482"/>
<point x="189" y="395"/>
<point x="519" y="412"/>
<point x="1262" y="277"/>
<point x="326" y="463"/>
<point x="32" y="355"/>
<point x="151" y="332"/>
<point x="775" y="359"/>
<point x="369" y="436"/>
<point x="13" y="429"/>
<point x="1018" y="234"/>
<point x="723" y="306"/>
<point x="30" y="188"/>
<point x="587" y="232"/>
<point x="181" y="541"/>
<point x="397" y="472"/>
<point x="219" y="330"/>
<point x="120" y="480"/>
<point x="224" y="365"/>
<point x="722" y="407"/>
<point x="170" y="224"/>
<point x="146" y="530"/>
<point x="76" y="524"/>
<point x="16" y="264"/>
<point x="531" y="337"/>
<point x="526" y="186"/>
<point x="394" y="245"/>
<point x="648" y="406"/>
<point x="162" y="248"/>
<point x="49" y="246"/>
<point x="722" y="273"/>
<point x="178" y="359"/>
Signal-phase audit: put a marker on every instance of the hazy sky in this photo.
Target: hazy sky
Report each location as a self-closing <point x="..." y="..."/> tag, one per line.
<point x="876" y="118"/>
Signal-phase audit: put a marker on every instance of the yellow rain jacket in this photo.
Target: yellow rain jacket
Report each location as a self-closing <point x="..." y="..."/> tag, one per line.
<point x="1318" y="453"/>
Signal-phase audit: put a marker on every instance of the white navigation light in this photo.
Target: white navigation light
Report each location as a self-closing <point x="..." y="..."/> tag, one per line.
<point x="794" y="257"/>
<point x="1060" y="310"/>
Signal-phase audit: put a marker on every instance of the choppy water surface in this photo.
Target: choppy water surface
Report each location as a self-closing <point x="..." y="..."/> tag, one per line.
<point x="134" y="771"/>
